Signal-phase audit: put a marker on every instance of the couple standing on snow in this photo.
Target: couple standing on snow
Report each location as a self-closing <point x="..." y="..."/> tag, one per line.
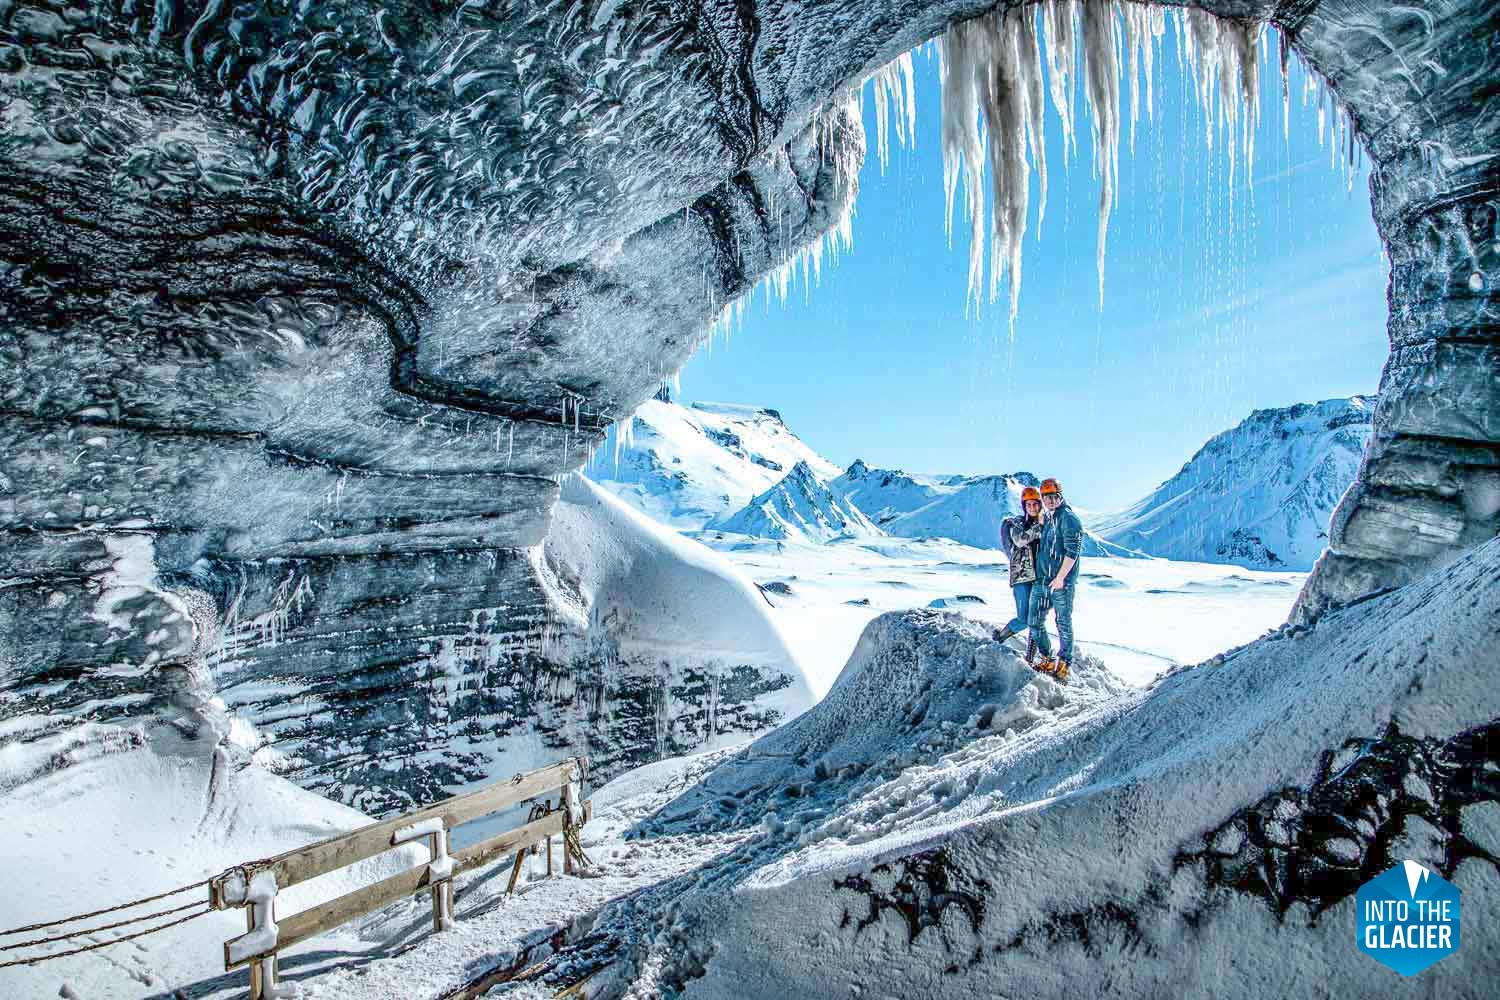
<point x="1043" y="543"/>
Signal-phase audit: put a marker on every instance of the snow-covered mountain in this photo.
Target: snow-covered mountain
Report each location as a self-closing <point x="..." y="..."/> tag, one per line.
<point x="1259" y="495"/>
<point x="686" y="465"/>
<point x="886" y="494"/>
<point x="967" y="509"/>
<point x="801" y="507"/>
<point x="719" y="464"/>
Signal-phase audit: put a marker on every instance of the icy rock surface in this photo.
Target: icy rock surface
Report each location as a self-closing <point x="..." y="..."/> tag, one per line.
<point x="1203" y="836"/>
<point x="1258" y="495"/>
<point x="304" y="308"/>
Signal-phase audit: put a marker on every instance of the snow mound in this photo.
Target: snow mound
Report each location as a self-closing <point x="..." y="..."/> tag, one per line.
<point x="1259" y="495"/>
<point x="139" y="822"/>
<point x="1204" y="836"/>
<point x="917" y="681"/>
<point x="800" y="508"/>
<point x="666" y="612"/>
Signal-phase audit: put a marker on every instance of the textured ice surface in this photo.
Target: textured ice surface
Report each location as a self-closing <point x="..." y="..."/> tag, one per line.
<point x="333" y="293"/>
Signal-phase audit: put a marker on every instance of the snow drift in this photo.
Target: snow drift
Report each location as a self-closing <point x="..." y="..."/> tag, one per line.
<point x="1203" y="836"/>
<point x="667" y="622"/>
<point x="1259" y="495"/>
<point x="134" y="823"/>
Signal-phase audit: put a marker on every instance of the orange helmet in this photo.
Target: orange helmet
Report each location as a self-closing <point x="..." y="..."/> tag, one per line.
<point x="1050" y="486"/>
<point x="1030" y="493"/>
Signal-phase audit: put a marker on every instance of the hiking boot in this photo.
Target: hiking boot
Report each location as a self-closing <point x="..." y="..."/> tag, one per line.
<point x="1005" y="633"/>
<point x="1044" y="666"/>
<point x="1060" y="671"/>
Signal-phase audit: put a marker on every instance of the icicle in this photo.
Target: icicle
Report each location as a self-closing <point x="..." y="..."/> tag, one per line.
<point x="1134" y="30"/>
<point x="1060" y="18"/>
<point x="1156" y="21"/>
<point x="1101" y="82"/>
<point x="1029" y="58"/>
<point x="894" y="84"/>
<point x="1286" y="92"/>
<point x="1011" y="125"/>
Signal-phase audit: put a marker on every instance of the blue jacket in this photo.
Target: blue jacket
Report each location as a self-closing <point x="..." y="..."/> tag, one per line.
<point x="1061" y="536"/>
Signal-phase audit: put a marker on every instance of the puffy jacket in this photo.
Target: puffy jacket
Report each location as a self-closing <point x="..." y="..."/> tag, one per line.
<point x="1061" y="536"/>
<point x="1021" y="543"/>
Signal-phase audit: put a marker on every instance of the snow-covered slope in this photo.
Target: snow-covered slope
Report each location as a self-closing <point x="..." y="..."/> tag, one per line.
<point x="1259" y="495"/>
<point x="685" y="465"/>
<point x="137" y="822"/>
<point x="667" y="617"/>
<point x="802" y="508"/>
<point x="944" y="824"/>
<point x="885" y="494"/>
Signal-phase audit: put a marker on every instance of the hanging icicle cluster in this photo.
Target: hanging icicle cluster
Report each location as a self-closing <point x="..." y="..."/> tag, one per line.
<point x="998" y="73"/>
<point x="992" y="73"/>
<point x="895" y="86"/>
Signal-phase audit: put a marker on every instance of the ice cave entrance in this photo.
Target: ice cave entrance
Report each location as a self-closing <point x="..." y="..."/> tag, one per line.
<point x="1189" y="210"/>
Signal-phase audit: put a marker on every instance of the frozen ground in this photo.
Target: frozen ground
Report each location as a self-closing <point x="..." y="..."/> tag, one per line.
<point x="135" y="823"/>
<point x="947" y="823"/>
<point x="1140" y="616"/>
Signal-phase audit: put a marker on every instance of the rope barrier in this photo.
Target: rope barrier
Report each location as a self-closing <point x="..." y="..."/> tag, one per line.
<point x="105" y="944"/>
<point x="108" y="909"/>
<point x="105" y="927"/>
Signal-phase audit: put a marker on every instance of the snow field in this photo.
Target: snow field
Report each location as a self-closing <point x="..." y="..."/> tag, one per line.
<point x="1029" y="865"/>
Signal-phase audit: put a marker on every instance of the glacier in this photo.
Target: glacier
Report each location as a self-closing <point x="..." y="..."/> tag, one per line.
<point x="311" y="308"/>
<point x="307" y="311"/>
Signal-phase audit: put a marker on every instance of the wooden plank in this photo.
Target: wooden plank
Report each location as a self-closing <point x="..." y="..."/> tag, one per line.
<point x="366" y="842"/>
<point x="309" y="923"/>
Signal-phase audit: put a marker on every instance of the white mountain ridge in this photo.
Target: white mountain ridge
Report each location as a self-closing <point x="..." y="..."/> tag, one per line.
<point x="801" y="507"/>
<point x="967" y="509"/>
<point x="1259" y="495"/>
<point x="687" y="465"/>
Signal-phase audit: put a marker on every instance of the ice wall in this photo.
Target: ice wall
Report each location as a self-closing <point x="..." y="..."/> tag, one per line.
<point x="334" y="293"/>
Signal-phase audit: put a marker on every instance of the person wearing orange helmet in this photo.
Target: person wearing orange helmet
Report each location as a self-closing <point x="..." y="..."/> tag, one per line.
<point x="1057" y="579"/>
<point x="1020" y="536"/>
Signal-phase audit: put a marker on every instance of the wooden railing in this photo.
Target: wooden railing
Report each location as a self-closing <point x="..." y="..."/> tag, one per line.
<point x="255" y="885"/>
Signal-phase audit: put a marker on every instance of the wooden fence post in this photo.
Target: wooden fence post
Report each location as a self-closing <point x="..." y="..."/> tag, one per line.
<point x="257" y="981"/>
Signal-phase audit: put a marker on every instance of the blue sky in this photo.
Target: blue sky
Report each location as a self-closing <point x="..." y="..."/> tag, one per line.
<point x="1215" y="303"/>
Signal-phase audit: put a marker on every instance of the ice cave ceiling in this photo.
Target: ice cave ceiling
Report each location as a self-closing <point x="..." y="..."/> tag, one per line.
<point x="305" y="306"/>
